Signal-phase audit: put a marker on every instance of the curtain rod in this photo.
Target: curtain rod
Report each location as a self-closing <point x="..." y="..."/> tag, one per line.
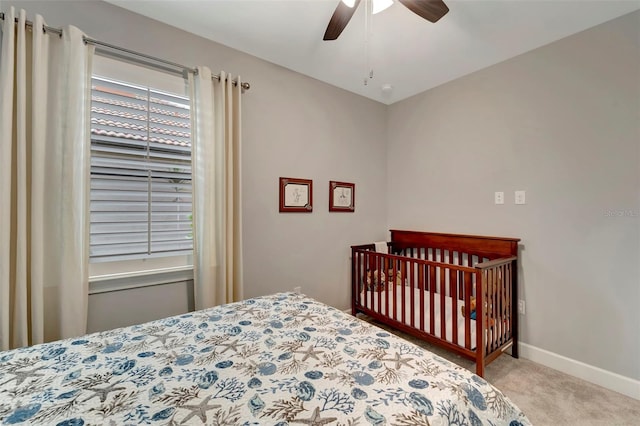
<point x="97" y="43"/>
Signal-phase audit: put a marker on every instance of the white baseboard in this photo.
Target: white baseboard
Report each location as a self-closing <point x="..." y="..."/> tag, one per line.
<point x="596" y="375"/>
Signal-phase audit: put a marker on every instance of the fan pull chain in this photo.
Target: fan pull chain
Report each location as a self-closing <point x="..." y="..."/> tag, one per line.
<point x="367" y="38"/>
<point x="370" y="35"/>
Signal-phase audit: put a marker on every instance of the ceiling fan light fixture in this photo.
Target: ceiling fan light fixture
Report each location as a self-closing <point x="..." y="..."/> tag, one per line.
<point x="431" y="10"/>
<point x="380" y="5"/>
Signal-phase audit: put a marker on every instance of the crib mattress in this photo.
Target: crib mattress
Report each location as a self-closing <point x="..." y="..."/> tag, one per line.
<point x="397" y="297"/>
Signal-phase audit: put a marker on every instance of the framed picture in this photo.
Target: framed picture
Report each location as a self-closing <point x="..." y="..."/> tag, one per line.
<point x="342" y="196"/>
<point x="296" y="195"/>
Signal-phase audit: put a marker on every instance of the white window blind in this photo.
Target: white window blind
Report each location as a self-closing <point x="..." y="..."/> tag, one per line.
<point x="140" y="172"/>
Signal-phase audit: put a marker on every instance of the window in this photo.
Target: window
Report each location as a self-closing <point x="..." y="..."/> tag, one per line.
<point x="140" y="172"/>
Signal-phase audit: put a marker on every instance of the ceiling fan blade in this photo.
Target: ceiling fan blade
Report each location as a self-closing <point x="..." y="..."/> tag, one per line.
<point x="339" y="20"/>
<point x="431" y="10"/>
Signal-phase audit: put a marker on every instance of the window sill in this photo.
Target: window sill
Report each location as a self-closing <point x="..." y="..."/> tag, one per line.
<point x="130" y="280"/>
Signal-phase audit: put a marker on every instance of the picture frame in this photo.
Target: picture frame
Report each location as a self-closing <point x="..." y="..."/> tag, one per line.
<point x="296" y="195"/>
<point x="342" y="196"/>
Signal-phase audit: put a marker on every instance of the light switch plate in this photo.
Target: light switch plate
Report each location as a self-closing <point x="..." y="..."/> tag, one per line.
<point x="499" y="197"/>
<point x="520" y="197"/>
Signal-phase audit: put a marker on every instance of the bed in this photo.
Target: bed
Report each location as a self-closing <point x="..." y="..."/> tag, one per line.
<point x="283" y="359"/>
<point x="458" y="292"/>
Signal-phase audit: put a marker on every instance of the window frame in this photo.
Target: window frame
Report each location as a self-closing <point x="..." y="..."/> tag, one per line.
<point x="157" y="268"/>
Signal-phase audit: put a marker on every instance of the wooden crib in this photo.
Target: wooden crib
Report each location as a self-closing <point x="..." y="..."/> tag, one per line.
<point x="424" y="284"/>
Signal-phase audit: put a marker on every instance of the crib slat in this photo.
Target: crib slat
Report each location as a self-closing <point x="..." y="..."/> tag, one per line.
<point x="467" y="310"/>
<point x="413" y="292"/>
<point x="364" y="259"/>
<point x="380" y="268"/>
<point x="443" y="306"/>
<point x="426" y="257"/>
<point x="432" y="281"/>
<point x="453" y="284"/>
<point x="502" y="271"/>
<point x="359" y="280"/>
<point x="362" y="270"/>
<point x="373" y="287"/>
<point x="492" y="309"/>
<point x="421" y="282"/>
<point x="498" y="297"/>
<point x="489" y="307"/>
<point x="399" y="274"/>
<point x="395" y="285"/>
<point x="457" y="260"/>
<point x="355" y="284"/>
<point x="499" y="328"/>
<point x="501" y="318"/>
<point x="480" y="341"/>
<point x="377" y="282"/>
<point x="498" y="309"/>
<point x="367" y="267"/>
<point x="371" y="294"/>
<point x="508" y="308"/>
<point x="393" y="291"/>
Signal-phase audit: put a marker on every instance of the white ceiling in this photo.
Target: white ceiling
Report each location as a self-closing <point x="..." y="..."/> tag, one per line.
<point x="405" y="51"/>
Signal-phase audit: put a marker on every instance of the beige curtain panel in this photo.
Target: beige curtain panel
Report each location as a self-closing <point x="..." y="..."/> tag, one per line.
<point x="44" y="177"/>
<point x="216" y="153"/>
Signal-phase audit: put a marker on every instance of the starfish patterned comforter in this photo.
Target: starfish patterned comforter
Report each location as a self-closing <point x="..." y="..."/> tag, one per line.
<point x="280" y="360"/>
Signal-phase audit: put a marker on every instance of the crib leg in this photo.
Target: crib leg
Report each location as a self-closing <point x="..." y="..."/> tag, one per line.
<point x="514" y="308"/>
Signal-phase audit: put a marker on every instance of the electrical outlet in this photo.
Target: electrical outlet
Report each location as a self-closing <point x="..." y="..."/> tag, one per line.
<point x="521" y="307"/>
<point x="297" y="290"/>
<point x="499" y="197"/>
<point x="520" y="197"/>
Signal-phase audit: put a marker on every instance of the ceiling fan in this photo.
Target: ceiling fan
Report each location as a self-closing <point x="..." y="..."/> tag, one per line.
<point x="431" y="10"/>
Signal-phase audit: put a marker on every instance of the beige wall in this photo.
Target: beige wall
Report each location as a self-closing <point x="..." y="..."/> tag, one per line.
<point x="563" y="123"/>
<point x="113" y="309"/>
<point x="293" y="126"/>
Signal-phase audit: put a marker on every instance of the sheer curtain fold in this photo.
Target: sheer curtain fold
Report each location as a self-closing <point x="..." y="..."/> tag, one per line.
<point x="44" y="163"/>
<point x="217" y="206"/>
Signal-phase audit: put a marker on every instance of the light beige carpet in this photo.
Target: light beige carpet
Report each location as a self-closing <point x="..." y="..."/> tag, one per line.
<point x="547" y="396"/>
